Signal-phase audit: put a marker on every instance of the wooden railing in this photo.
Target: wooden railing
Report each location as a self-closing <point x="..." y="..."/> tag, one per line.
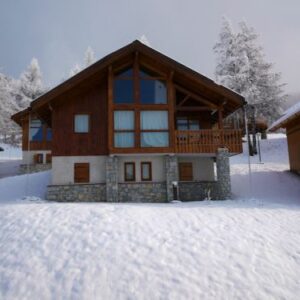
<point x="208" y="141"/>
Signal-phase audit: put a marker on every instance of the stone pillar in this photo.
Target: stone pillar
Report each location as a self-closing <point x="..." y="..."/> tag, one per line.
<point x="111" y="169"/>
<point x="171" y="174"/>
<point x="223" y="174"/>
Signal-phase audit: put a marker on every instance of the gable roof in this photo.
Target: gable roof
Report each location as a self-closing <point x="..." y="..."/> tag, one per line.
<point x="234" y="100"/>
<point x="288" y="116"/>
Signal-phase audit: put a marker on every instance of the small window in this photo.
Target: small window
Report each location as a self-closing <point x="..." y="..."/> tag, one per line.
<point x="185" y="171"/>
<point x="129" y="171"/>
<point x="81" y="172"/>
<point x="38" y="158"/>
<point x="146" y="171"/>
<point x="81" y="123"/>
<point x="36" y="130"/>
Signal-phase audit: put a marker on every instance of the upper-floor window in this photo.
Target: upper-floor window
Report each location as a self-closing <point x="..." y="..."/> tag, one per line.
<point x="36" y="130"/>
<point x="81" y="123"/>
<point x="124" y="128"/>
<point x="144" y="86"/>
<point x="185" y="123"/>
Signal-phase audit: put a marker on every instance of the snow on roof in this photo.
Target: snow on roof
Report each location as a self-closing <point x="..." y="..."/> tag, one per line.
<point x="287" y="115"/>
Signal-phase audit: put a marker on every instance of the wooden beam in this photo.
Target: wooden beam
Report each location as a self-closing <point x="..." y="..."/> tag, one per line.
<point x="110" y="109"/>
<point x="184" y="100"/>
<point x="193" y="108"/>
<point x="196" y="97"/>
<point x="220" y="118"/>
<point x="171" y="104"/>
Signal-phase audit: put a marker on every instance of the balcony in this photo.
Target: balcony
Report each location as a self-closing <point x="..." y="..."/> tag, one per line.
<point x="208" y="140"/>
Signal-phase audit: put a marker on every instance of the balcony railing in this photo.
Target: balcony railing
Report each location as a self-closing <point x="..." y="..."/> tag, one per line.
<point x="208" y="140"/>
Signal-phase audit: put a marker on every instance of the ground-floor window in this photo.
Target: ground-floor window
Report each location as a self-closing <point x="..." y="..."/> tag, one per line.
<point x="81" y="172"/>
<point x="129" y="171"/>
<point x="146" y="171"/>
<point x="185" y="171"/>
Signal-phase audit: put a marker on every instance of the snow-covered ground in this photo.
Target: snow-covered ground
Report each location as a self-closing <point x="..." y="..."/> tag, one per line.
<point x="247" y="248"/>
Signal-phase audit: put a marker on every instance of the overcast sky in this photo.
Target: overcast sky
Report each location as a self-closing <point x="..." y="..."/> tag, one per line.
<point x="57" y="32"/>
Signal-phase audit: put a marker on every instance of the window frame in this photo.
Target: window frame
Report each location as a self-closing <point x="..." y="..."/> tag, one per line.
<point x="129" y="163"/>
<point x="89" y="122"/>
<point x="149" y="163"/>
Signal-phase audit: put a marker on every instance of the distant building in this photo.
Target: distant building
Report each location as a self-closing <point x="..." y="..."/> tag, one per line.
<point x="291" y="122"/>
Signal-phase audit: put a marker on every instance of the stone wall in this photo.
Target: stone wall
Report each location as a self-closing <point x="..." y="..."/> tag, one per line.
<point x="111" y="174"/>
<point x="77" y="193"/>
<point x="33" y="168"/>
<point x="142" y="192"/>
<point x="171" y="166"/>
<point x="223" y="174"/>
<point x="195" y="191"/>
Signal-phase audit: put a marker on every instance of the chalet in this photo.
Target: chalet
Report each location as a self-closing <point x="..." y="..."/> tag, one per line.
<point x="291" y="122"/>
<point x="134" y="126"/>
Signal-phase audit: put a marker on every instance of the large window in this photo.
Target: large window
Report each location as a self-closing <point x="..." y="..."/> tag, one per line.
<point x="81" y="123"/>
<point x="154" y="129"/>
<point x="123" y="87"/>
<point x="36" y="130"/>
<point x="124" y="129"/>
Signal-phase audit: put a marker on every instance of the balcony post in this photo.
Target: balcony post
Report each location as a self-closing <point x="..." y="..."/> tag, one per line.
<point x="220" y="118"/>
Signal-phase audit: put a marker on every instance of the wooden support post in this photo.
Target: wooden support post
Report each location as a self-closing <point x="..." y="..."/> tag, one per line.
<point x="171" y="103"/>
<point x="110" y="109"/>
<point x="220" y="125"/>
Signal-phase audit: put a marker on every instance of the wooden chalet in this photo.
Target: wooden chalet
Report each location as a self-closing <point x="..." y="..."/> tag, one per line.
<point x="133" y="120"/>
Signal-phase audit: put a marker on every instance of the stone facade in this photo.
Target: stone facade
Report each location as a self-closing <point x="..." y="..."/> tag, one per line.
<point x="77" y="193"/>
<point x="142" y="192"/>
<point x="171" y="165"/>
<point x="111" y="169"/>
<point x="33" y="168"/>
<point x="195" y="191"/>
<point x="223" y="174"/>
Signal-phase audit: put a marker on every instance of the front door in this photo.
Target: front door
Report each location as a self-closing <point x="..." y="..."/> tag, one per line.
<point x="185" y="171"/>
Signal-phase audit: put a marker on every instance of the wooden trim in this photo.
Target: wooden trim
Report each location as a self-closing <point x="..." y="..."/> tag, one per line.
<point x="110" y="108"/>
<point x="125" y="165"/>
<point x="150" y="171"/>
<point x="81" y="172"/>
<point x="193" y="108"/>
<point x="171" y="109"/>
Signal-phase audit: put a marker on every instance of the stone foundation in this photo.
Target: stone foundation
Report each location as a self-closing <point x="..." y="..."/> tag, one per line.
<point x="77" y="193"/>
<point x="142" y="192"/>
<point x="195" y="191"/>
<point x="223" y="174"/>
<point x="111" y="174"/>
<point x="33" y="168"/>
<point x="171" y="175"/>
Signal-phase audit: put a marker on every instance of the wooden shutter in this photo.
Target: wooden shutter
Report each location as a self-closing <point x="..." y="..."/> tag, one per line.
<point x="185" y="171"/>
<point x="81" y="172"/>
<point x="48" y="158"/>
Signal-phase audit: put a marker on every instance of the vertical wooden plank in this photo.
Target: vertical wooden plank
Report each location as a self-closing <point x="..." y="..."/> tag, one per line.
<point x="171" y="104"/>
<point x="110" y="109"/>
<point x="136" y="88"/>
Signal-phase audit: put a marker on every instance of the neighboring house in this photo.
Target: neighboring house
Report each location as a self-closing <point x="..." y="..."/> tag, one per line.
<point x="132" y="127"/>
<point x="291" y="122"/>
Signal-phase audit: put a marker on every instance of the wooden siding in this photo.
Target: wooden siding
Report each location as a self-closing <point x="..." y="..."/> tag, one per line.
<point x="208" y="141"/>
<point x="66" y="142"/>
<point x="185" y="171"/>
<point x="293" y="139"/>
<point x="81" y="172"/>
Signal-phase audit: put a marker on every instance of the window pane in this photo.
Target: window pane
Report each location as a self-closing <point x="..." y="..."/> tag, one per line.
<point x="125" y="73"/>
<point x="182" y="124"/>
<point x="153" y="92"/>
<point x="124" y="139"/>
<point x="154" y="120"/>
<point x="194" y="125"/>
<point x="124" y="120"/>
<point x="36" y="130"/>
<point x="123" y="91"/>
<point x="81" y="123"/>
<point x="49" y="134"/>
<point x="129" y="172"/>
<point x="145" y="73"/>
<point x="154" y="139"/>
<point x="146" y="171"/>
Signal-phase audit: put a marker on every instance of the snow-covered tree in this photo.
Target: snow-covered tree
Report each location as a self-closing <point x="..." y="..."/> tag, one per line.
<point x="143" y="39"/>
<point x="31" y="83"/>
<point x="89" y="58"/>
<point x="241" y="66"/>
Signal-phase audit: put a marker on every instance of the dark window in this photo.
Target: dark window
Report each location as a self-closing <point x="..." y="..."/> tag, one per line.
<point x="153" y="91"/>
<point x="81" y="123"/>
<point x="49" y="134"/>
<point x="38" y="158"/>
<point x="36" y="130"/>
<point x="81" y="172"/>
<point x="125" y="73"/>
<point x="185" y="171"/>
<point x="129" y="171"/>
<point x="146" y="171"/>
<point x="185" y="123"/>
<point x="123" y="91"/>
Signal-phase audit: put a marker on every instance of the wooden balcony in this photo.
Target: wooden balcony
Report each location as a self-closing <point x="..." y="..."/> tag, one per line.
<point x="208" y="140"/>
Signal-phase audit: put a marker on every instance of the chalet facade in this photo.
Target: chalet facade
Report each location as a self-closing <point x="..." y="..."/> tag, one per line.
<point x="291" y="122"/>
<point x="135" y="126"/>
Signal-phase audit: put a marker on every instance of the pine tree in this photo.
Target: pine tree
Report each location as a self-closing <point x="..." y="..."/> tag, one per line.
<point x="89" y="58"/>
<point x="241" y="66"/>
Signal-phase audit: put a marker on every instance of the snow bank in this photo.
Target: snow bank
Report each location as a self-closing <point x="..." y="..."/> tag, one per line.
<point x="10" y="152"/>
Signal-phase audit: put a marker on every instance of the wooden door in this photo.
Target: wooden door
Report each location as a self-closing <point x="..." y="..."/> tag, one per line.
<point x="185" y="171"/>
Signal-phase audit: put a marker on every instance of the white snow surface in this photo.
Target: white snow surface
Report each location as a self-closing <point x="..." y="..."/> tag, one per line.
<point x="245" y="248"/>
<point x="10" y="152"/>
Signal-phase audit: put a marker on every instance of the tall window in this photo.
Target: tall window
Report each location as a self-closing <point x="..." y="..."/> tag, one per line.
<point x="123" y="87"/>
<point x="124" y="128"/>
<point x="146" y="171"/>
<point x="81" y="123"/>
<point x="129" y="171"/>
<point x="36" y="130"/>
<point x="154" y="128"/>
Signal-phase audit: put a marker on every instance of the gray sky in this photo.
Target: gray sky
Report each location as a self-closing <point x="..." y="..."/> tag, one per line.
<point x="57" y="32"/>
